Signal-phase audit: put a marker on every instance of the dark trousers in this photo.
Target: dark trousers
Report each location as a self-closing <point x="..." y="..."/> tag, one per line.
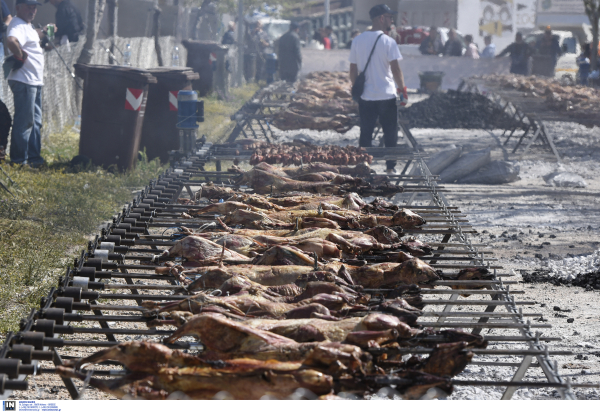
<point x="289" y="76"/>
<point x="387" y="113"/>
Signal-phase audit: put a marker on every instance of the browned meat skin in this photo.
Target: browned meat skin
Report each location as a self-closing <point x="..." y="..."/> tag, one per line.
<point x="242" y="378"/>
<point x="255" y="220"/>
<point x="472" y="274"/>
<point x="214" y="276"/>
<point x="283" y="256"/>
<point x="323" y="248"/>
<point x="371" y="339"/>
<point x="227" y="339"/>
<point x="318" y="222"/>
<point x="140" y="356"/>
<point x="255" y="200"/>
<point x="213" y="192"/>
<point x="384" y="234"/>
<point x="202" y="250"/>
<point x="256" y="303"/>
<point x="447" y="359"/>
<point x="401" y="309"/>
<point x="413" y="271"/>
<point x="224" y="208"/>
<point x="416" y="248"/>
<point x="351" y="201"/>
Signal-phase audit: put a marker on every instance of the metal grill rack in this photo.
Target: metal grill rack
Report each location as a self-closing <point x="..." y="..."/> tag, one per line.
<point x="97" y="303"/>
<point x="528" y="114"/>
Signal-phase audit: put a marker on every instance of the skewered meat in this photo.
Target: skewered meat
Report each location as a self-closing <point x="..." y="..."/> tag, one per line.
<point x="224" y="208"/>
<point x="472" y="274"/>
<point x="251" y="380"/>
<point x="413" y="271"/>
<point x="228" y="339"/>
<point x="211" y="191"/>
<point x="173" y="371"/>
<point x="198" y="249"/>
<point x="255" y="302"/>
<point x="309" y="330"/>
<point x="215" y="276"/>
<point x="265" y="182"/>
<point x="284" y="255"/>
<point x="448" y="359"/>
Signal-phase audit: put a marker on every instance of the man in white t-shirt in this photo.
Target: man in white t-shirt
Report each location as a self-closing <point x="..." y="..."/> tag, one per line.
<point x="25" y="81"/>
<point x="384" y="80"/>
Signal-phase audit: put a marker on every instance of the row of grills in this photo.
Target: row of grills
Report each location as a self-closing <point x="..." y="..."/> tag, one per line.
<point x="102" y="300"/>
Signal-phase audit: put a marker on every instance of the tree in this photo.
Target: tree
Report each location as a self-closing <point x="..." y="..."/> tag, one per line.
<point x="592" y="9"/>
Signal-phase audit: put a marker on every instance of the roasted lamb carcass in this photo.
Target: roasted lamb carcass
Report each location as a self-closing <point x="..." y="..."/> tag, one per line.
<point x="158" y="372"/>
<point x="200" y="250"/>
<point x="261" y="303"/>
<point x="283" y="256"/>
<point x="213" y="276"/>
<point x="228" y="339"/>
<point x="382" y="275"/>
<point x="349" y="329"/>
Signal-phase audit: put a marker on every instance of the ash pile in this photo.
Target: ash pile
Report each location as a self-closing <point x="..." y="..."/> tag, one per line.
<point x="457" y="110"/>
<point x="581" y="271"/>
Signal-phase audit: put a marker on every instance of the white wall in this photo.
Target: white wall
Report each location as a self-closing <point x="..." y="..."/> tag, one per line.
<point x="455" y="68"/>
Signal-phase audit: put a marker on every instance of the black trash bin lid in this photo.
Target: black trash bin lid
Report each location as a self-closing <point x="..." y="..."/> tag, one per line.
<point x="132" y="73"/>
<point x="174" y="73"/>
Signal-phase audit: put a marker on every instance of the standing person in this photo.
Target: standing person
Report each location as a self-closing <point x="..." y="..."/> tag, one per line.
<point x="5" y="18"/>
<point x="352" y="37"/>
<point x="548" y="46"/>
<point x="333" y="39"/>
<point x="384" y="80"/>
<point x="472" y="51"/>
<point x="25" y="81"/>
<point x="257" y="43"/>
<point x="324" y="39"/>
<point x="432" y="45"/>
<point x="520" y="52"/>
<point x="453" y="46"/>
<point x="290" y="54"/>
<point x="489" y="51"/>
<point x="229" y="36"/>
<point x="69" y="24"/>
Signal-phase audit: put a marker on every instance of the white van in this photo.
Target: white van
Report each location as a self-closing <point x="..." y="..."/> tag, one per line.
<point x="566" y="67"/>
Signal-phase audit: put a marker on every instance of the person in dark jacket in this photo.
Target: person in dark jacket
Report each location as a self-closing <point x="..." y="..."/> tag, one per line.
<point x="432" y="44"/>
<point x="548" y="45"/>
<point x="520" y="52"/>
<point x="453" y="46"/>
<point x="229" y="36"/>
<point x="68" y="21"/>
<point x="290" y="54"/>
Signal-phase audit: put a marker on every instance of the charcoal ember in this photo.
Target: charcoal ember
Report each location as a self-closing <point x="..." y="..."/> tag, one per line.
<point x="456" y="110"/>
<point x="588" y="281"/>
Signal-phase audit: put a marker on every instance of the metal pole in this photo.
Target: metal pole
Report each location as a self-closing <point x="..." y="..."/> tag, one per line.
<point x="326" y="19"/>
<point x="240" y="44"/>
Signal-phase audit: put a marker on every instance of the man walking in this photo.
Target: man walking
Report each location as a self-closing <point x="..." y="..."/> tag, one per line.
<point x="68" y="21"/>
<point x="384" y="79"/>
<point x="25" y="81"/>
<point x="520" y="52"/>
<point x="290" y="54"/>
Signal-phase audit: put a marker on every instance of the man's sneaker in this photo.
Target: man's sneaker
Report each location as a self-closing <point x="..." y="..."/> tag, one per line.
<point x="391" y="172"/>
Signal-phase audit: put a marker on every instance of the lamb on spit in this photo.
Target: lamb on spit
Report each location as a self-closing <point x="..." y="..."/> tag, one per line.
<point x="265" y="182"/>
<point x="157" y="372"/>
<point x="412" y="271"/>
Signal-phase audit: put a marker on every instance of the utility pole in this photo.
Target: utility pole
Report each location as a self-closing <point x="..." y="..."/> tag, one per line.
<point x="326" y="19"/>
<point x="240" y="44"/>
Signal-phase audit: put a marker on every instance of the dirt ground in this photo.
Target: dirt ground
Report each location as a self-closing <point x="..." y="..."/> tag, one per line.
<point x="526" y="223"/>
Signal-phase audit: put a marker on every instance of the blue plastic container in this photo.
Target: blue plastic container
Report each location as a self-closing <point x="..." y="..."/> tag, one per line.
<point x="187" y="110"/>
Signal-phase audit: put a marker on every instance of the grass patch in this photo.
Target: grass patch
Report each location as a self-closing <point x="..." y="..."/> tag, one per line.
<point x="217" y="113"/>
<point x="45" y="224"/>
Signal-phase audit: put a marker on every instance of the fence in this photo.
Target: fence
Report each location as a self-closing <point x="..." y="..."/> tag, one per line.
<point x="60" y="95"/>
